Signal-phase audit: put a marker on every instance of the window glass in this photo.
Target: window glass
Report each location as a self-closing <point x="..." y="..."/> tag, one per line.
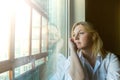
<point x="22" y="69"/>
<point x="4" y="76"/>
<point x="42" y="3"/>
<point x="54" y="38"/>
<point x="44" y="34"/>
<point x="35" y="32"/>
<point x="22" y="26"/>
<point x="58" y="32"/>
<point x="58" y="29"/>
<point x="5" y="16"/>
<point x="39" y="61"/>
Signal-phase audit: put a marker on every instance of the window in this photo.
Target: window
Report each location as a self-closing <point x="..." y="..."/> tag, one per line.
<point x="4" y="31"/>
<point x="22" y="29"/>
<point x="36" y="26"/>
<point x="4" y="35"/>
<point x="39" y="61"/>
<point x="21" y="36"/>
<point x="44" y="34"/>
<point x="4" y="76"/>
<point x="22" y="69"/>
<point x="25" y="35"/>
<point x="58" y="26"/>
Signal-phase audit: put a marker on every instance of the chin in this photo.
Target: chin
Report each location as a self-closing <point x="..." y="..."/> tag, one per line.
<point x="79" y="47"/>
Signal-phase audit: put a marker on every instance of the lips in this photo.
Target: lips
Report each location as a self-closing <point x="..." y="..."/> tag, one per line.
<point x="78" y="43"/>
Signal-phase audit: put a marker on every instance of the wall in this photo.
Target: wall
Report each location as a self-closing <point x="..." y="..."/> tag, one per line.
<point x="77" y="11"/>
<point x="105" y="15"/>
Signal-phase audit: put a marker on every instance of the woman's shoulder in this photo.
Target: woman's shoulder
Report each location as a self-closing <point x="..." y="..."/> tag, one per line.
<point x="111" y="60"/>
<point x="111" y="57"/>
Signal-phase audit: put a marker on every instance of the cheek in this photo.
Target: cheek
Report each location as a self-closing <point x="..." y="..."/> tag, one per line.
<point x="89" y="42"/>
<point x="86" y="40"/>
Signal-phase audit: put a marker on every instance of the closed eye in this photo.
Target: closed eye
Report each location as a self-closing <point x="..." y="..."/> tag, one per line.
<point x="81" y="32"/>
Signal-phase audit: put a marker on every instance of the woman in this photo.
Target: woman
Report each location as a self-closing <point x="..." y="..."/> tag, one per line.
<point x="97" y="63"/>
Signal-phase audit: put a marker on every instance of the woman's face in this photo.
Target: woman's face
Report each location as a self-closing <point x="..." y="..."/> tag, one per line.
<point x="82" y="39"/>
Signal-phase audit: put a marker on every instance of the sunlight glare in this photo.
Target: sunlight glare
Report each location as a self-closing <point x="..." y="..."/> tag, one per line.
<point x="7" y="8"/>
<point x="5" y="16"/>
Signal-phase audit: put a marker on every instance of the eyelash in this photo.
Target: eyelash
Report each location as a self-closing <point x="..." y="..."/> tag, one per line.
<point x="81" y="33"/>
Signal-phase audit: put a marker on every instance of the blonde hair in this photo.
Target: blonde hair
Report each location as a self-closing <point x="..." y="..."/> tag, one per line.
<point x="97" y="46"/>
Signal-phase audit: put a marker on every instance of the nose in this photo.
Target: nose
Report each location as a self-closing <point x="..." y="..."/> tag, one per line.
<point x="77" y="37"/>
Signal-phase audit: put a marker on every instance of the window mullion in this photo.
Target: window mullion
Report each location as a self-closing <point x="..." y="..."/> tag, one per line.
<point x="12" y="47"/>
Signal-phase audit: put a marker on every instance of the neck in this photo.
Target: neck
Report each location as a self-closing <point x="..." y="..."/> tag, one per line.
<point x="89" y="56"/>
<point x="87" y="52"/>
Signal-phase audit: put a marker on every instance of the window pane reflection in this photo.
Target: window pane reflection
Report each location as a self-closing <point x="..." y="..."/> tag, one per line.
<point x="4" y="76"/>
<point x="22" y="25"/>
<point x="39" y="61"/>
<point x="44" y="34"/>
<point x="4" y="31"/>
<point x="35" y="32"/>
<point x="22" y="69"/>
